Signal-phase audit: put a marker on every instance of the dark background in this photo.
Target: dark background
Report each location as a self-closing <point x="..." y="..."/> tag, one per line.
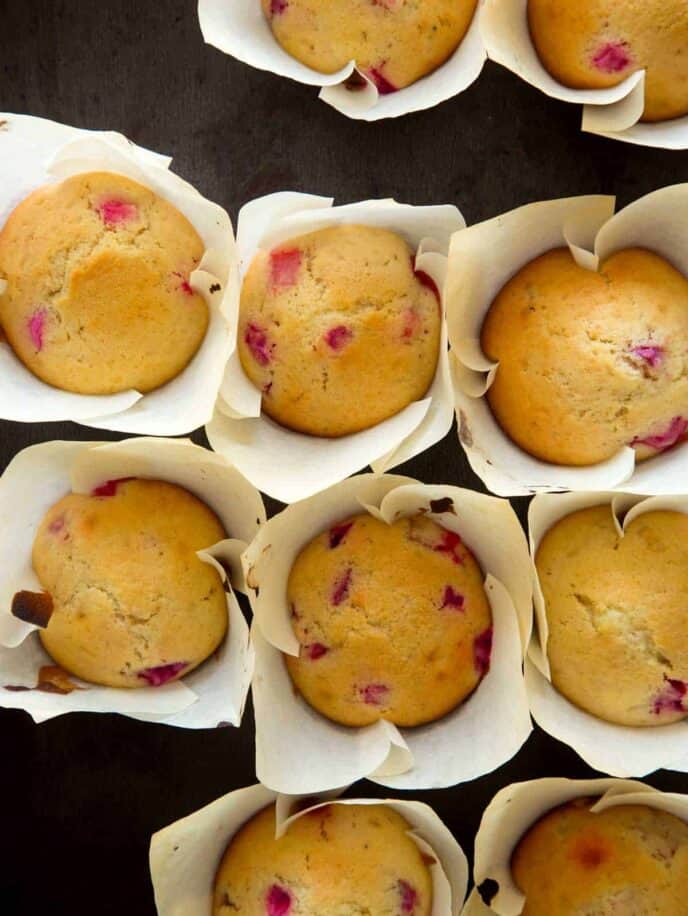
<point x="82" y="794"/>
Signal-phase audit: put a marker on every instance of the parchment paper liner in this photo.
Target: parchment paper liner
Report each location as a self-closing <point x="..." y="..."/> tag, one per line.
<point x="482" y="259"/>
<point x="299" y="750"/>
<point x="616" y="749"/>
<point x="35" y="152"/>
<point x="290" y="465"/>
<point x="39" y="476"/>
<point x="184" y="857"/>
<point x="240" y="29"/>
<point x="613" y="112"/>
<point x="516" y="808"/>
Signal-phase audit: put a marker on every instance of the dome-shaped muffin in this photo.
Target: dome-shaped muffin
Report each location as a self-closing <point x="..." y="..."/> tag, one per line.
<point x="338" y="330"/>
<point x="98" y="297"/>
<point x="393" y="621"/>
<point x="630" y="860"/>
<point x="333" y="861"/>
<point x="595" y="44"/>
<point x="618" y="644"/>
<point x="590" y="361"/>
<point x="394" y="42"/>
<point x="132" y="603"/>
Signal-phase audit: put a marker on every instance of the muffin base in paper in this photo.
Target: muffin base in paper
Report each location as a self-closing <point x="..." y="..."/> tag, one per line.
<point x="517" y="807"/>
<point x="300" y="750"/>
<point x="240" y="29"/>
<point x="289" y="465"/>
<point x="613" y="112"/>
<point x="35" y="152"/>
<point x="40" y="475"/>
<point x="482" y="259"/>
<point x="185" y="856"/>
<point x="621" y="750"/>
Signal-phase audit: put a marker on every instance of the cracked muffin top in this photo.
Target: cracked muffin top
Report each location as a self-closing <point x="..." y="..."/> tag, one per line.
<point x="394" y="42"/>
<point x="591" y="361"/>
<point x="338" y="329"/>
<point x="594" y="44"/>
<point x="98" y="298"/>
<point x="338" y="860"/>
<point x="393" y="621"/>
<point x="628" y="860"/>
<point x="618" y="645"/>
<point x="132" y="603"/>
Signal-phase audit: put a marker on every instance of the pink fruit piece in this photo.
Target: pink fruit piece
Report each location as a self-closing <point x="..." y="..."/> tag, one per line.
<point x="278" y="6"/>
<point x="337" y="338"/>
<point x="449" y="544"/>
<point x="109" y="488"/>
<point x="116" y="212"/>
<point x="156" y="677"/>
<point x="374" y="694"/>
<point x="56" y="525"/>
<point x="482" y="651"/>
<point x="278" y="901"/>
<point x="338" y="533"/>
<point x="612" y="57"/>
<point x="411" y="324"/>
<point x="671" y="698"/>
<point x="184" y="284"/>
<point x="380" y="81"/>
<point x="649" y="353"/>
<point x="673" y="434"/>
<point x="285" y="264"/>
<point x="452" y="599"/>
<point x="316" y="650"/>
<point x="340" y="590"/>
<point x="256" y="339"/>
<point x="409" y="897"/>
<point x="425" y="280"/>
<point x="36" y="327"/>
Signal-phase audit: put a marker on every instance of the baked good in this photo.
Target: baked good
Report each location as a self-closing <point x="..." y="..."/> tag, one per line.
<point x="617" y="646"/>
<point x="338" y="330"/>
<point x="132" y="603"/>
<point x="629" y="860"/>
<point x="393" y="621"/>
<point x="338" y="860"/>
<point x="591" y="361"/>
<point x="98" y="297"/>
<point x="595" y="44"/>
<point x="394" y="42"/>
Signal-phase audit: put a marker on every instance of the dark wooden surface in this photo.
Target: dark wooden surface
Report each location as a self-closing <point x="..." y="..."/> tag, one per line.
<point x="81" y="794"/>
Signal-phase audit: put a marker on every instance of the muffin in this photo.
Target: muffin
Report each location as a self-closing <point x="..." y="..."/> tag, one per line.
<point x="590" y="361"/>
<point x="618" y="644"/>
<point x="595" y="44"/>
<point x="393" y="621"/>
<point x="132" y="603"/>
<point x="334" y="861"/>
<point x="331" y="317"/>
<point x="629" y="860"/>
<point x="394" y="42"/>
<point x="98" y="297"/>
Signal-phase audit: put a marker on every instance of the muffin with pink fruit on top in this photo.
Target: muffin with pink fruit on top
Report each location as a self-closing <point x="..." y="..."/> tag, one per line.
<point x="338" y="329"/>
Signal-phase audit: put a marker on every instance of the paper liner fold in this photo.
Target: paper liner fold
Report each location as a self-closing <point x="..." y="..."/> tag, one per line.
<point x="299" y="750"/>
<point x="39" y="476"/>
<point x="184" y="857"/>
<point x="289" y="465"/>
<point x="36" y="152"/>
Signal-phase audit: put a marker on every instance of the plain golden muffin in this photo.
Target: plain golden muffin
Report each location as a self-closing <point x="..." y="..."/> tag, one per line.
<point x="338" y="330"/>
<point x="339" y="860"/>
<point x="630" y="860"/>
<point x="595" y="44"/>
<point x="98" y="297"/>
<point x="590" y="362"/>
<point x="393" y="621"/>
<point x="618" y="641"/>
<point x="132" y="603"/>
<point x="394" y="42"/>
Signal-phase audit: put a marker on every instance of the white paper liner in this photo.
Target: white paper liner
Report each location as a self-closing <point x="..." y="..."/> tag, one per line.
<point x="516" y="808"/>
<point x="613" y="112"/>
<point x="616" y="749"/>
<point x="240" y="29"/>
<point x="185" y="856"/>
<point x="290" y="465"/>
<point x="482" y="259"/>
<point x="39" y="476"/>
<point x="35" y="152"/>
<point x="297" y="749"/>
